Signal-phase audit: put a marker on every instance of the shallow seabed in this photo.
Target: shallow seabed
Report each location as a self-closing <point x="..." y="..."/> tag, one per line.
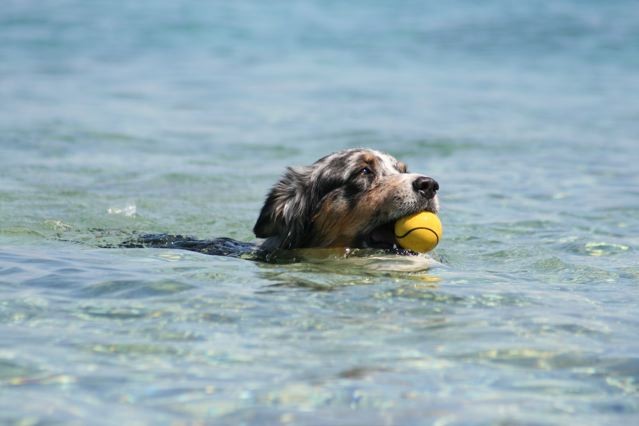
<point x="176" y="117"/>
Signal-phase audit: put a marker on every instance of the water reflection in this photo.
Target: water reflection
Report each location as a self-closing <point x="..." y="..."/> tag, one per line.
<point x="330" y="269"/>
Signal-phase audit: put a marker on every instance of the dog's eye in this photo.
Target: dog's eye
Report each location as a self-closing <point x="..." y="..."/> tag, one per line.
<point x="365" y="171"/>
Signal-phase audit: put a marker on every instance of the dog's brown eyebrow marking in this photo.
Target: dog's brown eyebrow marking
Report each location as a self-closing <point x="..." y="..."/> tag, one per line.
<point x="401" y="167"/>
<point x="369" y="160"/>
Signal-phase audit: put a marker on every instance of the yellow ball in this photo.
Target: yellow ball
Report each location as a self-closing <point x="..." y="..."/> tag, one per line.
<point x="418" y="232"/>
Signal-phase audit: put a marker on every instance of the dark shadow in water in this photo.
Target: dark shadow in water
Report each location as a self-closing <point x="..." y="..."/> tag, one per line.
<point x="229" y="247"/>
<point x="216" y="247"/>
<point x="311" y="269"/>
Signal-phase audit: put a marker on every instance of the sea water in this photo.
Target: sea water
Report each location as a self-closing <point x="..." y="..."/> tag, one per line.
<point x="119" y="118"/>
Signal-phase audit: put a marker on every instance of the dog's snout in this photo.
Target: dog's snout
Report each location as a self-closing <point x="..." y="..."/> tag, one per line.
<point x="426" y="186"/>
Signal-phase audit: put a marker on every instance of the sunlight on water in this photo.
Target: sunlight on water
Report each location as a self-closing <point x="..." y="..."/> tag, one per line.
<point x="128" y="210"/>
<point x="177" y="117"/>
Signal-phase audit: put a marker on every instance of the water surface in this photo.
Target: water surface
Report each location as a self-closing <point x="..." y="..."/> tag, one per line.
<point x="177" y="117"/>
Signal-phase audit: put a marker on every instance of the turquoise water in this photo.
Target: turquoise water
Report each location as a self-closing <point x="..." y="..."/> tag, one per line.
<point x="176" y="117"/>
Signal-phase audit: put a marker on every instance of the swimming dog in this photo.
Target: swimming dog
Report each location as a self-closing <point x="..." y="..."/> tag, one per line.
<point x="350" y="198"/>
<point x="347" y="199"/>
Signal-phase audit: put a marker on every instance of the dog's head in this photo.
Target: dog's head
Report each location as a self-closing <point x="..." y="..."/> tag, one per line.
<point x="347" y="199"/>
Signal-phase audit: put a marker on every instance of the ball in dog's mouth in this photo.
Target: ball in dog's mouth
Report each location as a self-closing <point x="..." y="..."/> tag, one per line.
<point x="383" y="236"/>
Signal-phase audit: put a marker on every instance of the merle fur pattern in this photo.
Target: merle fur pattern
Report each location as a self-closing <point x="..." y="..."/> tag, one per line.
<point x="342" y="199"/>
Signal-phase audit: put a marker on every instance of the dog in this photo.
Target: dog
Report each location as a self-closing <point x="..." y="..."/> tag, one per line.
<point x="347" y="199"/>
<point x="350" y="198"/>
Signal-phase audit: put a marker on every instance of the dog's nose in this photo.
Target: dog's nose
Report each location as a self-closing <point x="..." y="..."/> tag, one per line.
<point x="426" y="186"/>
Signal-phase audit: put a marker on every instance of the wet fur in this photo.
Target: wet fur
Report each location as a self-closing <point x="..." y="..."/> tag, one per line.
<point x="341" y="200"/>
<point x="348" y="199"/>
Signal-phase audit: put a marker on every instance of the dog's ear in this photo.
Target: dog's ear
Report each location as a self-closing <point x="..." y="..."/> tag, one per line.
<point x="286" y="212"/>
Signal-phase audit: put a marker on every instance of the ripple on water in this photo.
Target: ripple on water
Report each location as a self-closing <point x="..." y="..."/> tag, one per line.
<point x="11" y="369"/>
<point x="554" y="269"/>
<point x="604" y="249"/>
<point x="541" y="358"/>
<point x="594" y="248"/>
<point x="132" y="288"/>
<point x="111" y="312"/>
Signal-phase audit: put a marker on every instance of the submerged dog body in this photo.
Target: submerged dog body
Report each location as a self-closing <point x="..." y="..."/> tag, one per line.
<point x="349" y="198"/>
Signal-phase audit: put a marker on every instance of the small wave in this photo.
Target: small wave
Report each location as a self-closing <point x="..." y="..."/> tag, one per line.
<point x="129" y="210"/>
